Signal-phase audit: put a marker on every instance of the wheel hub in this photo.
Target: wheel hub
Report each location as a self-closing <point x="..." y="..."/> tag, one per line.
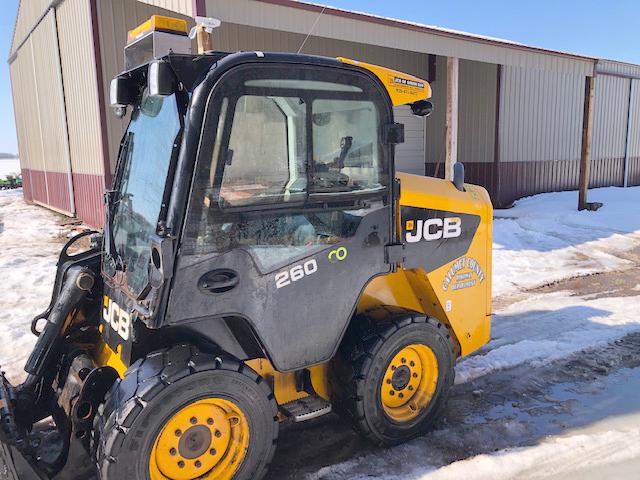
<point x="409" y="382"/>
<point x="401" y="378"/>
<point x="208" y="438"/>
<point x="194" y="442"/>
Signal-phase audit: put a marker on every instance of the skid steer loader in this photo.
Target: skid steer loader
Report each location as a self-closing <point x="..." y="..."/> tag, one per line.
<point x="262" y="262"/>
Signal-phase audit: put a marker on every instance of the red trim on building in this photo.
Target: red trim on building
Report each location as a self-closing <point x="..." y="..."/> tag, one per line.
<point x="89" y="191"/>
<point x="102" y="102"/>
<point x="26" y="185"/>
<point x="58" y="189"/>
<point x="38" y="186"/>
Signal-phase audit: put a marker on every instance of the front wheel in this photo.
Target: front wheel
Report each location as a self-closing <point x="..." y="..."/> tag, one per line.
<point x="181" y="414"/>
<point x="393" y="379"/>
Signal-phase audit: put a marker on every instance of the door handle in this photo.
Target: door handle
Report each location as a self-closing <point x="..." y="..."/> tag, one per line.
<point x="218" y="281"/>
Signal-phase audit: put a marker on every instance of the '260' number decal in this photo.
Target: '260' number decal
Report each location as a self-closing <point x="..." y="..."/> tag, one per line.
<point x="296" y="273"/>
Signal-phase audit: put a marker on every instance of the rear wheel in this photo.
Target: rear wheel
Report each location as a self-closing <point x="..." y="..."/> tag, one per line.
<point x="393" y="379"/>
<point x="181" y="415"/>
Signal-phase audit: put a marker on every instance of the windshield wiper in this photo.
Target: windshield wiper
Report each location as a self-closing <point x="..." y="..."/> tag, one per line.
<point x="111" y="199"/>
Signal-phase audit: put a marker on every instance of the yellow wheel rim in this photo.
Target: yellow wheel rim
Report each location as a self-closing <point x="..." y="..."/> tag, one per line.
<point x="206" y="439"/>
<point x="409" y="382"/>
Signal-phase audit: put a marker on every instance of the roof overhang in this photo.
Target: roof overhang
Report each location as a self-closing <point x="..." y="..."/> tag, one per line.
<point x="302" y="18"/>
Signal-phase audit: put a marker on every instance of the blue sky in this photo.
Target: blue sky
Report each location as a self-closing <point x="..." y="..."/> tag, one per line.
<point x="596" y="28"/>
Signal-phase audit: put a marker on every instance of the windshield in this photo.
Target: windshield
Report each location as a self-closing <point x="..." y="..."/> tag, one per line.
<point x="155" y="124"/>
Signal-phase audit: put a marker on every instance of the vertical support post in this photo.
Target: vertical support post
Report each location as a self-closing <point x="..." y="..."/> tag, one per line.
<point x="587" y="135"/>
<point x="205" y="42"/>
<point x="453" y="69"/>
<point x="497" y="200"/>
<point x="632" y="89"/>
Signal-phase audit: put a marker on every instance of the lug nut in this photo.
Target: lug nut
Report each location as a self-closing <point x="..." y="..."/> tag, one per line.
<point x="209" y="421"/>
<point x="404" y="360"/>
<point x="388" y="381"/>
<point x="194" y="420"/>
<point x="198" y="464"/>
<point x="181" y="464"/>
<point x="401" y="395"/>
<point x="178" y="433"/>
<point x="218" y="434"/>
<point x="393" y="367"/>
<point x="415" y="375"/>
<point x="213" y="451"/>
<point x="410" y="388"/>
<point x="173" y="452"/>
<point x="392" y="393"/>
<point x="412" y="363"/>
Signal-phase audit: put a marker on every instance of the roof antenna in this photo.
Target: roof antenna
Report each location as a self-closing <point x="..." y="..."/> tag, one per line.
<point x="312" y="29"/>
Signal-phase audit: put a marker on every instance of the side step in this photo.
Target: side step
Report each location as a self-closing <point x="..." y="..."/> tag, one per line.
<point x="306" y="408"/>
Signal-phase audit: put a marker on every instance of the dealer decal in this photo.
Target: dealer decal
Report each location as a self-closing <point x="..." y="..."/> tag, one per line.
<point x="466" y="272"/>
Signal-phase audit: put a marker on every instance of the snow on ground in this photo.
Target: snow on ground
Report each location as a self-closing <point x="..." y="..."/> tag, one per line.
<point x="538" y="401"/>
<point x="544" y="239"/>
<point x="544" y="328"/>
<point x="29" y="246"/>
<point x="9" y="166"/>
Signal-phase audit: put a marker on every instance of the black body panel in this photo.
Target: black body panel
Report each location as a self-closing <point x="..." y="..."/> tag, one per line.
<point x="302" y="323"/>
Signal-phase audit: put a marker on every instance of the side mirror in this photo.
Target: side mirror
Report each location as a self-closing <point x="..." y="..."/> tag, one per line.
<point x="121" y="92"/>
<point x="161" y="268"/>
<point x="458" y="176"/>
<point x="422" y="108"/>
<point x="162" y="81"/>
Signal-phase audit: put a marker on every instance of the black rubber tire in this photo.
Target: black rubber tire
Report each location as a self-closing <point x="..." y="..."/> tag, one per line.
<point x="156" y="387"/>
<point x="362" y="361"/>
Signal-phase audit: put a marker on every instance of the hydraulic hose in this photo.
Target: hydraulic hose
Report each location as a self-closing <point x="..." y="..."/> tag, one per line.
<point x="78" y="283"/>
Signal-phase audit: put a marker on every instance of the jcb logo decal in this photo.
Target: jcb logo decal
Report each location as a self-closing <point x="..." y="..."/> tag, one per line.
<point x="433" y="229"/>
<point x="116" y="317"/>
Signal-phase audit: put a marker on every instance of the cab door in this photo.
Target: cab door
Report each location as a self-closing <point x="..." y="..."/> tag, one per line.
<point x="291" y="207"/>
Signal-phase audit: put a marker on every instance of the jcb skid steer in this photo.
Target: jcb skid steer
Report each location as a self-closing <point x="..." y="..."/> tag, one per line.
<point x="262" y="262"/>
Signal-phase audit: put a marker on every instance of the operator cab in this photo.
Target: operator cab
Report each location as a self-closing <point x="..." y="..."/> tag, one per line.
<point x="244" y="182"/>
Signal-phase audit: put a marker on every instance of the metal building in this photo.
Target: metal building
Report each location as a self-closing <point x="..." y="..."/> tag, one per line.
<point x="519" y="116"/>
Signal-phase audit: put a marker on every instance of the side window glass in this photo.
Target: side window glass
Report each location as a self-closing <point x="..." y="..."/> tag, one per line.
<point x="265" y="161"/>
<point x="290" y="153"/>
<point x="346" y="149"/>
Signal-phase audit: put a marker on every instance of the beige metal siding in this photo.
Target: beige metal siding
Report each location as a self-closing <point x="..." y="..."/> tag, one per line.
<point x="610" y="114"/>
<point x="540" y="115"/>
<point x="402" y="37"/>
<point x="477" y="112"/>
<point x="116" y="18"/>
<point x="634" y="132"/>
<point x="618" y="68"/>
<point x="29" y="12"/>
<point x="409" y="155"/>
<point x="185" y="7"/>
<point x="27" y="119"/>
<point x="50" y="95"/>
<point x="79" y="72"/>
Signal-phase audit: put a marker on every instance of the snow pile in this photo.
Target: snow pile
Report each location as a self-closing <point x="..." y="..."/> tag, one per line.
<point x="544" y="328"/>
<point x="544" y="239"/>
<point x="29" y="248"/>
<point x="557" y="457"/>
<point x="9" y="166"/>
